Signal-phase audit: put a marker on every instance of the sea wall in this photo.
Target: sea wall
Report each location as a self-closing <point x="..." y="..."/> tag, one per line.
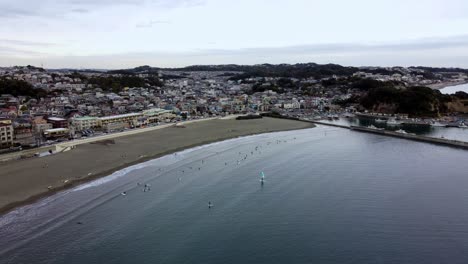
<point x="438" y="141"/>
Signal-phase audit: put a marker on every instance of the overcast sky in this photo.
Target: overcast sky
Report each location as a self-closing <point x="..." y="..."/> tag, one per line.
<point x="171" y="33"/>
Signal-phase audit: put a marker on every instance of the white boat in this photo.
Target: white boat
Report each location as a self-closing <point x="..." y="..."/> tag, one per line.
<point x="378" y="120"/>
<point x="437" y="124"/>
<point x="393" y="122"/>
<point x="401" y="131"/>
<point x="262" y="179"/>
<point x="462" y="125"/>
<point x="374" y="127"/>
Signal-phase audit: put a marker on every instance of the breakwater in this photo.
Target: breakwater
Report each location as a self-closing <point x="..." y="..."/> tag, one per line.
<point x="438" y="141"/>
<point x="432" y="140"/>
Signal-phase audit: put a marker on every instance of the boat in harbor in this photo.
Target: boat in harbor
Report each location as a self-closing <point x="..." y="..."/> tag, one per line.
<point x="374" y="127"/>
<point x="401" y="131"/>
<point x="393" y="122"/>
<point x="379" y="120"/>
<point x="415" y="121"/>
<point x="437" y="124"/>
<point x="457" y="124"/>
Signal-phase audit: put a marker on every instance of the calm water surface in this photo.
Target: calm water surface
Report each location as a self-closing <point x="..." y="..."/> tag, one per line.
<point x="454" y="89"/>
<point x="330" y="196"/>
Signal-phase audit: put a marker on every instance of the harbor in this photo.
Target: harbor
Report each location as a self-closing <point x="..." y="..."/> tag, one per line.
<point x="404" y="135"/>
<point x="399" y="134"/>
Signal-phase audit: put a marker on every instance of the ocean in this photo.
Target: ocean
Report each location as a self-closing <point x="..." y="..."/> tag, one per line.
<point x="330" y="196"/>
<point x="454" y="89"/>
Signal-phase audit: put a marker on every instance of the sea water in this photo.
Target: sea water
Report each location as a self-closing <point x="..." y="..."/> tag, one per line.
<point x="330" y="196"/>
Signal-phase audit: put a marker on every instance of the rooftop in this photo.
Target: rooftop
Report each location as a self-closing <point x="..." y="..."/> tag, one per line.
<point x="120" y="116"/>
<point x="56" y="130"/>
<point x="56" y="119"/>
<point x="85" y="118"/>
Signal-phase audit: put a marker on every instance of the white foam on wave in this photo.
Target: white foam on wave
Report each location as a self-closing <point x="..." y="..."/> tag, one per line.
<point x="174" y="157"/>
<point x="113" y="176"/>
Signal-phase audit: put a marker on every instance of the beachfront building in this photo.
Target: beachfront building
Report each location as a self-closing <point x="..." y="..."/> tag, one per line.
<point x="24" y="132"/>
<point x="83" y="123"/>
<point x="57" y="133"/>
<point x="155" y="115"/>
<point x="58" y="122"/>
<point x="119" y="122"/>
<point x="6" y="134"/>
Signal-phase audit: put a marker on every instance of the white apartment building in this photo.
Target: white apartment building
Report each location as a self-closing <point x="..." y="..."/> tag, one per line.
<point x="6" y="135"/>
<point x="83" y="123"/>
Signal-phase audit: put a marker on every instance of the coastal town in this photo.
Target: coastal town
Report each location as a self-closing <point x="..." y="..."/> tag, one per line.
<point x="62" y="105"/>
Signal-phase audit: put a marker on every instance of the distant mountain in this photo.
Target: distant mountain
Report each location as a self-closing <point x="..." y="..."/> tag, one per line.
<point x="304" y="70"/>
<point x="300" y="70"/>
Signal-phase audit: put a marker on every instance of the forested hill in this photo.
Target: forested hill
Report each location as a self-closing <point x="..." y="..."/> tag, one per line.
<point x="300" y="70"/>
<point x="20" y="88"/>
<point x="305" y="70"/>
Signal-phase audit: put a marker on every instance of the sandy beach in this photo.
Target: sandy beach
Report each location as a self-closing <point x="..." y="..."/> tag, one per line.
<point x="25" y="181"/>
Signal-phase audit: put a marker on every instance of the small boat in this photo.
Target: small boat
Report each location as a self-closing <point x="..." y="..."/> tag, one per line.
<point x="437" y="124"/>
<point x="210" y="205"/>
<point x="378" y="120"/>
<point x="393" y="122"/>
<point x="463" y="125"/>
<point x="262" y="179"/>
<point x="374" y="127"/>
<point x="124" y="193"/>
<point x="401" y="131"/>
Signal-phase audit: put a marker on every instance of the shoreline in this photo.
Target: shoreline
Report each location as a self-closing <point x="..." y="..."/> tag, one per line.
<point x="441" y="86"/>
<point x="209" y="130"/>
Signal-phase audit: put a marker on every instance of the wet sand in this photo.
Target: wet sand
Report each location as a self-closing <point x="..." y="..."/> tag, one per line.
<point x="26" y="181"/>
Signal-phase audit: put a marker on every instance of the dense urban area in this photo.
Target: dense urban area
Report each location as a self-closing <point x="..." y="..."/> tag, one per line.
<point x="43" y="106"/>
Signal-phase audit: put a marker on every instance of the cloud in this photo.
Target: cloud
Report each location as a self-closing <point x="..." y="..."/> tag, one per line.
<point x="25" y="43"/>
<point x="47" y="8"/>
<point x="13" y="12"/>
<point x="80" y="10"/>
<point x="330" y="48"/>
<point x="152" y="23"/>
<point x="447" y="52"/>
<point x="18" y="52"/>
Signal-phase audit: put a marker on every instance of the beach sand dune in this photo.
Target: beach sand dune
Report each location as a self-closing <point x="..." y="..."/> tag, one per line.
<point x="25" y="181"/>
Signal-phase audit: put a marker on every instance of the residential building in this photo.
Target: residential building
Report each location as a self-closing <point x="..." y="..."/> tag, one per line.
<point x="127" y="120"/>
<point x="58" y="122"/>
<point x="56" y="133"/>
<point x="83" y="123"/>
<point x="6" y="134"/>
